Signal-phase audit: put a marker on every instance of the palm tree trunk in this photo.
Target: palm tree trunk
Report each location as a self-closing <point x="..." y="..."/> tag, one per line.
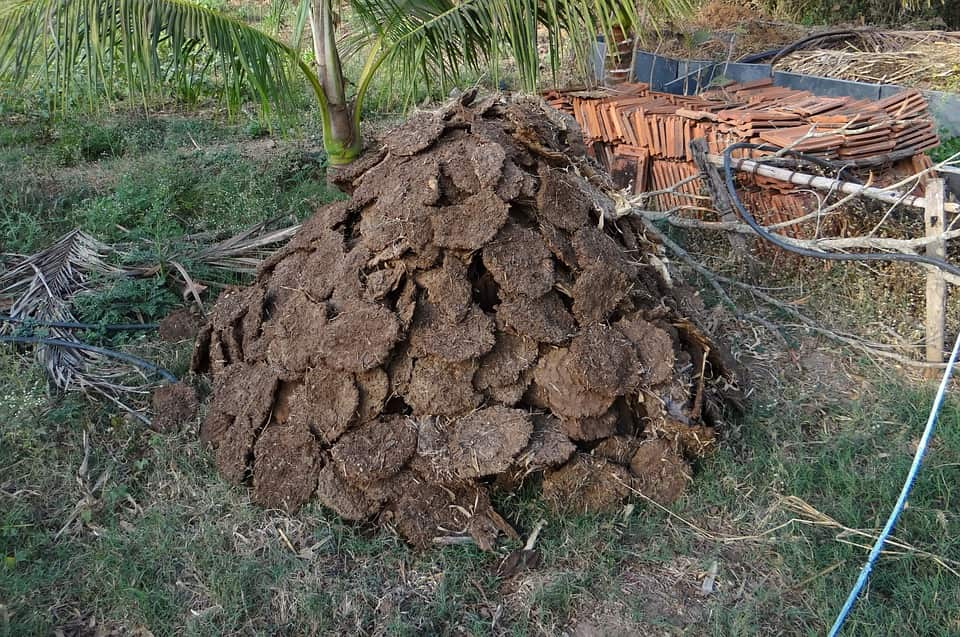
<point x="341" y="135"/>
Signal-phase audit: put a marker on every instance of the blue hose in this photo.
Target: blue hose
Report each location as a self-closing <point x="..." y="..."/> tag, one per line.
<point x="904" y="493"/>
<point x="941" y="392"/>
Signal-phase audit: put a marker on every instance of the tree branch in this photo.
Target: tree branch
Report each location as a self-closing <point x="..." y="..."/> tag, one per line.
<point x="715" y="280"/>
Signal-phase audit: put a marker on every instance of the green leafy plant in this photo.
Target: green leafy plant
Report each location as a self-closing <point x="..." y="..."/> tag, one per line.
<point x="949" y="146"/>
<point x="125" y="301"/>
<point x="871" y="11"/>
<point x="79" y="141"/>
<point x="106" y="47"/>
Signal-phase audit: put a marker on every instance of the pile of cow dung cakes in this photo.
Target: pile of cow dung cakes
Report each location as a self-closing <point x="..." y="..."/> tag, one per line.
<point x="462" y="324"/>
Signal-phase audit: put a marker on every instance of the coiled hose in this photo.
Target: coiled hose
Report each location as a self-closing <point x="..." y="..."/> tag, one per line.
<point x="807" y="252"/>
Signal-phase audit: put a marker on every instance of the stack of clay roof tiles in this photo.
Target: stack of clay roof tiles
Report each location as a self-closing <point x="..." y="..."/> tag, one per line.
<point x="643" y="137"/>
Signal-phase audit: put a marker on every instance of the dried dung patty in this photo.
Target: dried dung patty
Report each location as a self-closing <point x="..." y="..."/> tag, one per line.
<point x="375" y="451"/>
<point x="519" y="261"/>
<point x="286" y="465"/>
<point x="325" y="402"/>
<point x="503" y="365"/>
<point x="471" y="224"/>
<point x="180" y="325"/>
<point x="467" y="339"/>
<point x="549" y="445"/>
<point x="661" y="473"/>
<point x="360" y="337"/>
<point x="557" y="382"/>
<point x="486" y="441"/>
<point x="448" y="289"/>
<point x="544" y="319"/>
<point x="586" y="483"/>
<point x="420" y="131"/>
<point x="438" y="387"/>
<point x="461" y="324"/>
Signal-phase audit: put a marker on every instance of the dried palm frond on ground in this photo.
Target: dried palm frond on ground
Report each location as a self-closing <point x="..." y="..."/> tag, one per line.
<point x="37" y="285"/>
<point x="39" y="289"/>
<point x="240" y="253"/>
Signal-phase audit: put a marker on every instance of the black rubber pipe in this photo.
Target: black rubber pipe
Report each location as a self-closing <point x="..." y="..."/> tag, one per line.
<point x="832" y="256"/>
<point x="109" y="353"/>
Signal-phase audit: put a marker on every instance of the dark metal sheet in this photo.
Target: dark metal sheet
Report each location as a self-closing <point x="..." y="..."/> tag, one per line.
<point x="827" y="86"/>
<point x="656" y="70"/>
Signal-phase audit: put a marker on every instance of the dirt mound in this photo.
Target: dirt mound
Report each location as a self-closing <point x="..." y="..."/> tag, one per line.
<point x="461" y="324"/>
<point x="173" y="405"/>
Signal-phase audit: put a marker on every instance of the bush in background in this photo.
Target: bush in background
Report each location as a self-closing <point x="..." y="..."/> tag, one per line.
<point x="884" y="12"/>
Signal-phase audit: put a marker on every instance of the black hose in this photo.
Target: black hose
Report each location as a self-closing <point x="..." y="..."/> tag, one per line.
<point x="820" y="162"/>
<point x="775" y="54"/>
<point x="116" y="327"/>
<point x="833" y="256"/>
<point x="842" y="34"/>
<point x="753" y="58"/>
<point x="109" y="353"/>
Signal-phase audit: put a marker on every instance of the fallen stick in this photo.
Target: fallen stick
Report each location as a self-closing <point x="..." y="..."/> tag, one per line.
<point x="827" y="183"/>
<point x="711" y="278"/>
<point x="716" y="279"/>
<point x="835" y="243"/>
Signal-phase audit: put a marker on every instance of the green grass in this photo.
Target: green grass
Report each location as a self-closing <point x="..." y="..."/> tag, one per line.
<point x="853" y="473"/>
<point x="150" y="178"/>
<point x="127" y="178"/>
<point x="167" y="545"/>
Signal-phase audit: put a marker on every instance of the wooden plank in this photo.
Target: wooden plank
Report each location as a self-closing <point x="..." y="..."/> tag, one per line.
<point x="936" y="285"/>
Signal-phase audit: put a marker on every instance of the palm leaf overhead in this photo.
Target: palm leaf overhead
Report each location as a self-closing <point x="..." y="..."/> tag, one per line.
<point x="90" y="44"/>
<point x="436" y="39"/>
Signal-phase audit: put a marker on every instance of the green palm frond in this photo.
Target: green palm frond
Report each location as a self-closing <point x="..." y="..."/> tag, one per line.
<point x="91" y="44"/>
<point x="436" y="39"/>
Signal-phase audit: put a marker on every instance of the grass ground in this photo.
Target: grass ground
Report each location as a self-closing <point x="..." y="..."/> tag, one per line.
<point x="106" y="526"/>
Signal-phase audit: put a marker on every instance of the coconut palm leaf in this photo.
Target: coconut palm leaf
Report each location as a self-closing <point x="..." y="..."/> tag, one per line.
<point x="134" y="46"/>
<point x="138" y="45"/>
<point x="434" y="40"/>
<point x="40" y="285"/>
<point x="243" y="252"/>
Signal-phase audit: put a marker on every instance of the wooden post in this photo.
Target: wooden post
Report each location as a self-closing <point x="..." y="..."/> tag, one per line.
<point x="936" y="285"/>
